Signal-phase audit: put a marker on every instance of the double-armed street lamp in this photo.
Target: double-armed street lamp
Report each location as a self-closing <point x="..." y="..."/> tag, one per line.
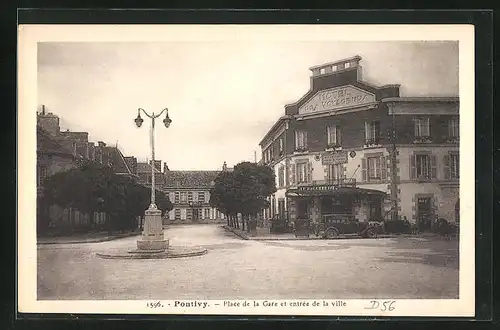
<point x="152" y="235"/>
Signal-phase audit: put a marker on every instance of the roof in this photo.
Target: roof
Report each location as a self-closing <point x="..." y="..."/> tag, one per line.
<point x="119" y="163"/>
<point x="145" y="168"/>
<point x="188" y="179"/>
<point x="46" y="144"/>
<point x="274" y="127"/>
<point x="443" y="99"/>
<point x="312" y="191"/>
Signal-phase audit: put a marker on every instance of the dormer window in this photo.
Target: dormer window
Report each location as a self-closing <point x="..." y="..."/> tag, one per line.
<point x="322" y="71"/>
<point x="347" y="65"/>
<point x="334" y="68"/>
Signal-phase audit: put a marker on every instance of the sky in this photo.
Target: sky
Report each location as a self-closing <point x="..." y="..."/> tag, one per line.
<point x="222" y="96"/>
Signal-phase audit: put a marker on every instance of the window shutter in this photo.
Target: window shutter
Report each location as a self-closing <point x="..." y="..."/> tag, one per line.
<point x="305" y="139"/>
<point x="363" y="169"/>
<point x="446" y="163"/>
<point x="367" y="131"/>
<point x="433" y="167"/>
<point x="415" y="127"/>
<point x="383" y="168"/>
<point x="292" y="179"/>
<point x="339" y="136"/>
<point x="309" y="172"/>
<point x="413" y="167"/>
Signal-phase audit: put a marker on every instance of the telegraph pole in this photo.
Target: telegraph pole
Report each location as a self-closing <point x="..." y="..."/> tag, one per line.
<point x="394" y="174"/>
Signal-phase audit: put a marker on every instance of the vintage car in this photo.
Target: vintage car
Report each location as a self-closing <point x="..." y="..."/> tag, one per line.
<point x="334" y="225"/>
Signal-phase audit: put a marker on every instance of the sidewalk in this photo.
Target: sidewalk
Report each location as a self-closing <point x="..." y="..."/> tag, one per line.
<point x="264" y="235"/>
<point x="86" y="238"/>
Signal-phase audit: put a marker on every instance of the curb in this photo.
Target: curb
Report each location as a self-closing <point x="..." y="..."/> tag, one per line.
<point x="169" y="254"/>
<point x="237" y="233"/>
<point x="94" y="240"/>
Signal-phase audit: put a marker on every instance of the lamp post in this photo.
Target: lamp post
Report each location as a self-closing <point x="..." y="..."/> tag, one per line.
<point x="152" y="236"/>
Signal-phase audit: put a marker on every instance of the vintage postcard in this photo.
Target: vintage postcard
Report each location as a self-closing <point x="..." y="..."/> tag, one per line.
<point x="246" y="170"/>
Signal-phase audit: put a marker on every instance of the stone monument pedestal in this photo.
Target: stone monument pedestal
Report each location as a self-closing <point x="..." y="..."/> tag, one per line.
<point x="152" y="235"/>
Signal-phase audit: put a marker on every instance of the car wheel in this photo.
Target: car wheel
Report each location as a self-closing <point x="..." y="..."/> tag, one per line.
<point x="332" y="233"/>
<point x="370" y="233"/>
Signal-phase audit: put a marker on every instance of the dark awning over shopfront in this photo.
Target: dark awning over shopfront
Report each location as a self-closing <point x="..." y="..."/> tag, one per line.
<point x="312" y="191"/>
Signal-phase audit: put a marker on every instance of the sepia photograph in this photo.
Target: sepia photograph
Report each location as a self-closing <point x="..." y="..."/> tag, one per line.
<point x="247" y="170"/>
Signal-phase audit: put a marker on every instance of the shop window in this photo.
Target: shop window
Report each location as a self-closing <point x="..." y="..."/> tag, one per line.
<point x="452" y="166"/>
<point x="374" y="168"/>
<point x="454" y="128"/>
<point x="334" y="136"/>
<point x="177" y="214"/>
<point x="201" y="196"/>
<point x="422" y="167"/>
<point x="281" y="176"/>
<point x="177" y="197"/>
<point x="372" y="132"/>
<point x="301" y="140"/>
<point x="421" y="127"/>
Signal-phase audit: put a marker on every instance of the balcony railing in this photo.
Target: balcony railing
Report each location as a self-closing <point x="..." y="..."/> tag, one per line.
<point x="328" y="184"/>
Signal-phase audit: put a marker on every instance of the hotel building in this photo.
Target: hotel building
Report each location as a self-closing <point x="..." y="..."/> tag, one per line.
<point x="350" y="148"/>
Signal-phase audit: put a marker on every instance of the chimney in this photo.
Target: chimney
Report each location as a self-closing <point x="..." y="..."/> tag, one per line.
<point x="43" y="109"/>
<point x="336" y="67"/>
<point x="101" y="144"/>
<point x="165" y="168"/>
<point x="224" y="166"/>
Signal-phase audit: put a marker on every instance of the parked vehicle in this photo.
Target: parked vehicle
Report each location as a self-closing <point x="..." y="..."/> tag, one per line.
<point x="334" y="225"/>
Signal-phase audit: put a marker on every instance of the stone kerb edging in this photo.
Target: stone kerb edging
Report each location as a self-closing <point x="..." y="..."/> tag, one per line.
<point x="237" y="232"/>
<point x="172" y="252"/>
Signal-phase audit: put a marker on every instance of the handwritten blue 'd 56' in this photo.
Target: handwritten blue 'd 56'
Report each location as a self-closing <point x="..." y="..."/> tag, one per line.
<point x="386" y="305"/>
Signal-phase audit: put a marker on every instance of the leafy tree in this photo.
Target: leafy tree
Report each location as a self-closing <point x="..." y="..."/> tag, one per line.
<point x="244" y="190"/>
<point x="95" y="188"/>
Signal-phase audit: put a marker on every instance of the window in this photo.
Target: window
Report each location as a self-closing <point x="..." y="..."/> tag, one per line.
<point x="190" y="196"/>
<point x="201" y="196"/>
<point x="207" y="213"/>
<point x="177" y="197"/>
<point x="422" y="166"/>
<point x="335" y="172"/>
<point x="454" y="127"/>
<point x="183" y="197"/>
<point x="177" y="214"/>
<point x="303" y="175"/>
<point x="42" y="174"/>
<point x="167" y="215"/>
<point x="281" y="146"/>
<point x="333" y="135"/>
<point x="421" y="127"/>
<point x="347" y="65"/>
<point x="149" y="179"/>
<point x="301" y="140"/>
<point x="281" y="176"/>
<point x="217" y="214"/>
<point x="189" y="214"/>
<point x="454" y="166"/>
<point x="372" y="132"/>
<point x="374" y="167"/>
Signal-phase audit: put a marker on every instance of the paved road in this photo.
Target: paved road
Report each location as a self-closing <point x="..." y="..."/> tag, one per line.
<point x="238" y="269"/>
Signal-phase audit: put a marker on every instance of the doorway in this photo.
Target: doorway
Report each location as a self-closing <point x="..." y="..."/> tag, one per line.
<point x="424" y="213"/>
<point x="302" y="209"/>
<point x="196" y="215"/>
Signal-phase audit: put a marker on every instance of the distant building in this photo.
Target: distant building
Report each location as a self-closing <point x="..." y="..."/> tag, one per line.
<point x="332" y="151"/>
<point x="63" y="150"/>
<point x="189" y="191"/>
<point x="145" y="176"/>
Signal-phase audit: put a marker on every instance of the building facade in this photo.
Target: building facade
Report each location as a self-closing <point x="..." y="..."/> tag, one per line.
<point x="333" y="151"/>
<point x="59" y="151"/>
<point x="189" y="191"/>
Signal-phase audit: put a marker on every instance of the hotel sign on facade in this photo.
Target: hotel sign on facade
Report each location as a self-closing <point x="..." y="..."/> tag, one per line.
<point x="332" y="158"/>
<point x="337" y="98"/>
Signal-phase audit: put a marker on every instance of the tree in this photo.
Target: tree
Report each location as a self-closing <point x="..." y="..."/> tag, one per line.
<point x="244" y="191"/>
<point x="254" y="184"/>
<point x="222" y="196"/>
